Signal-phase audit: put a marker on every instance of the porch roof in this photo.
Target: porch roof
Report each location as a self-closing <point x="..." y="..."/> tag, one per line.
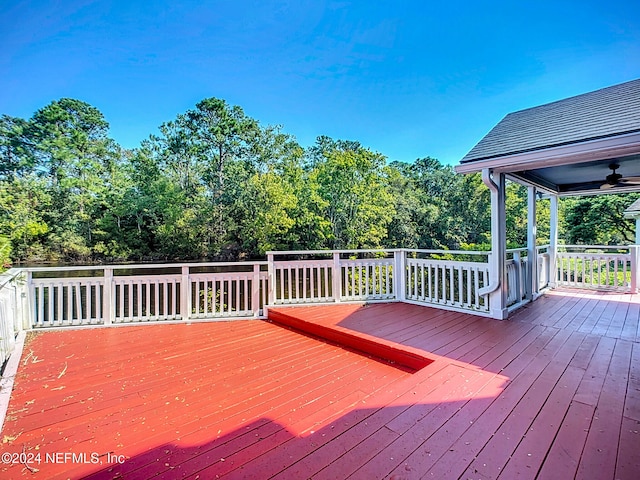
<point x="570" y="146"/>
<point x="633" y="210"/>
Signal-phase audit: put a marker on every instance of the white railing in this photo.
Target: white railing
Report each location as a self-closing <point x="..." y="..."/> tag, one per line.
<point x="371" y="275"/>
<point x="125" y="294"/>
<point x="367" y="279"/>
<point x="302" y="281"/>
<point x="544" y="266"/>
<point x="67" y="301"/>
<point x="448" y="283"/>
<point x="596" y="266"/>
<point x="517" y="265"/>
<point x="104" y="295"/>
<point x="145" y="293"/>
<point x="228" y="294"/>
<point x="347" y="275"/>
<point x="143" y="298"/>
<point x="13" y="310"/>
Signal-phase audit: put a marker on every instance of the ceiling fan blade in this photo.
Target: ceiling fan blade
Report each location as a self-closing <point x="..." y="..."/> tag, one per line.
<point x="606" y="186"/>
<point x="630" y="180"/>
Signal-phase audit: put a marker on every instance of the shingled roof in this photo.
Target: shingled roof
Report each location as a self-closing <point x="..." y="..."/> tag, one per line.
<point x="607" y="112"/>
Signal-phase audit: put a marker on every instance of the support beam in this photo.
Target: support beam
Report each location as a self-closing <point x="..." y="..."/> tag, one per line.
<point x="553" y="242"/>
<point x="497" y="288"/>
<point x="185" y="294"/>
<point x="532" y="252"/>
<point x="108" y="297"/>
<point x="634" y="251"/>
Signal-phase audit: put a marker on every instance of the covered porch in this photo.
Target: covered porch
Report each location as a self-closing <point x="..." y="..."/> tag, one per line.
<point x="583" y="145"/>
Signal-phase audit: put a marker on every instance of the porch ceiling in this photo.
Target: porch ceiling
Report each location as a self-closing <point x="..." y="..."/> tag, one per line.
<point x="584" y="177"/>
<point x="568" y="147"/>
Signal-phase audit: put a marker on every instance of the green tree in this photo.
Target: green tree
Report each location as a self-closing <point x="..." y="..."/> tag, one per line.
<point x="72" y="151"/>
<point x="5" y="253"/>
<point x="16" y="148"/>
<point x="405" y="226"/>
<point x="437" y="207"/>
<point x="221" y="134"/>
<point x="24" y="204"/>
<point x="349" y="185"/>
<point x="598" y="220"/>
<point x="267" y="201"/>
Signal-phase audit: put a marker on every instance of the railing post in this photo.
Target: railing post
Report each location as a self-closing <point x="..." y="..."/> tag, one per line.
<point x="108" y="310"/>
<point x="336" y="278"/>
<point x="28" y="303"/>
<point x="518" y="266"/>
<point x="532" y="279"/>
<point x="553" y="242"/>
<point x="255" y="290"/>
<point x="271" y="280"/>
<point x="185" y="294"/>
<point x="633" y="250"/>
<point x="543" y="270"/>
<point x="400" y="278"/>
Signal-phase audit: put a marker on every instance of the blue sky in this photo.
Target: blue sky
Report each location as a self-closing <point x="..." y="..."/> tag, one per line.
<point x="408" y="79"/>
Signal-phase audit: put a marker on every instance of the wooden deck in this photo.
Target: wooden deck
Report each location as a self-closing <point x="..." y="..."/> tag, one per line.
<point x="552" y="393"/>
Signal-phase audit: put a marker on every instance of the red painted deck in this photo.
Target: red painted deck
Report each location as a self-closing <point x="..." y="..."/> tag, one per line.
<point x="554" y="392"/>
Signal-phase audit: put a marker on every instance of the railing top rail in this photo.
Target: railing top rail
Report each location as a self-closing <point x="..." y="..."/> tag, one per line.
<point x="520" y="249"/>
<point x="594" y="254"/>
<point x="329" y="252"/>
<point x="588" y="247"/>
<point x="378" y="250"/>
<point x="448" y="262"/>
<point x="363" y="260"/>
<point x="444" y="252"/>
<point x="141" y="266"/>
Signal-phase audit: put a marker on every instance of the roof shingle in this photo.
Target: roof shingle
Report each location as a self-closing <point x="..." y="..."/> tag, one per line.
<point x="603" y="113"/>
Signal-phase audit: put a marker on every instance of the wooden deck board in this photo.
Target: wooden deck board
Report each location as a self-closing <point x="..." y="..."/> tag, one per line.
<point x="604" y="432"/>
<point x="553" y="392"/>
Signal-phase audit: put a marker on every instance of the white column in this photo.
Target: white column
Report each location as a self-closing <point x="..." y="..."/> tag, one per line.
<point x="28" y="304"/>
<point x="497" y="288"/>
<point x="553" y="242"/>
<point x="185" y="294"/>
<point x="255" y="290"/>
<point x="400" y="275"/>
<point x="336" y="278"/>
<point x="635" y="263"/>
<point x="271" y="280"/>
<point x="532" y="252"/>
<point x="108" y="304"/>
<point x="501" y="245"/>
<point x="633" y="250"/>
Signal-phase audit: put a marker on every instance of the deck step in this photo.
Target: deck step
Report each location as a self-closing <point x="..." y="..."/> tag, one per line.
<point x="393" y="352"/>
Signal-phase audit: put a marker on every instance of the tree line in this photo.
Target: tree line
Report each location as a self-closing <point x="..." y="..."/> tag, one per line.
<point x="216" y="184"/>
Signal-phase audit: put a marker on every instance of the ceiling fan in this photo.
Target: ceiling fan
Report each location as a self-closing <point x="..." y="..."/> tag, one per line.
<point x="614" y="179"/>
